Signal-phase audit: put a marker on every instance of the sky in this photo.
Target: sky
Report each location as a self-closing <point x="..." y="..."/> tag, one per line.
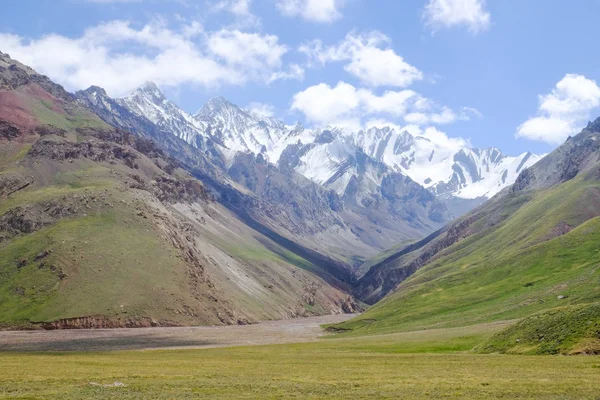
<point x="519" y="75"/>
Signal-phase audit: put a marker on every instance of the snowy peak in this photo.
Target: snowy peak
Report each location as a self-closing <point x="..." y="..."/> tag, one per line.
<point x="148" y="101"/>
<point x="151" y="89"/>
<point x="329" y="156"/>
<point x="95" y="91"/>
<point x="239" y="130"/>
<point x="216" y="106"/>
<point x="483" y="173"/>
<point x="446" y="171"/>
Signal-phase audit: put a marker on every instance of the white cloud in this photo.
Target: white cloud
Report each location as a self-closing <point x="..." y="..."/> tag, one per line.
<point x="452" y="13"/>
<point x="391" y="103"/>
<point x="442" y="140"/>
<point x="442" y="116"/>
<point x="120" y="57"/>
<point x="293" y="72"/>
<point x="369" y="58"/>
<point x="312" y="10"/>
<point x="240" y="9"/>
<point x="248" y="49"/>
<point x="324" y="105"/>
<point x="261" y="110"/>
<point x="564" y="111"/>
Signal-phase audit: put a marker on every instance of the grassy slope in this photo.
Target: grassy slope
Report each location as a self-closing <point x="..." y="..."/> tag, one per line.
<point x="507" y="271"/>
<point x="420" y="365"/>
<point x="102" y="253"/>
<point x="366" y="266"/>
<point x="118" y="264"/>
<point x="565" y="330"/>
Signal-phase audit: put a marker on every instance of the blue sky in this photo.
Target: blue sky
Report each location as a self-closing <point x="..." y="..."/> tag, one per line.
<point x="518" y="75"/>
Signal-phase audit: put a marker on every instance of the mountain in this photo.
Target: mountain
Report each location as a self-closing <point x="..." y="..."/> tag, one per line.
<point x="100" y="227"/>
<point x="224" y="217"/>
<point x="258" y="155"/>
<point x="531" y="248"/>
<point x="363" y="182"/>
<point x="460" y="172"/>
<point x="460" y="177"/>
<point x="149" y="102"/>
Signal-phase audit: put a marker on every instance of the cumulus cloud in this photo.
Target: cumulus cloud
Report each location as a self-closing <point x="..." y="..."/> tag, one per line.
<point x="325" y="105"/>
<point x="368" y="57"/>
<point x="251" y="50"/>
<point x="564" y="111"/>
<point x="312" y="10"/>
<point x="261" y="110"/>
<point x="452" y="13"/>
<point x="120" y="57"/>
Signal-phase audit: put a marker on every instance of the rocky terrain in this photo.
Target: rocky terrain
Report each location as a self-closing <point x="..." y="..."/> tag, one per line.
<point x="102" y="227"/>
<point x="343" y="229"/>
<point x="221" y="217"/>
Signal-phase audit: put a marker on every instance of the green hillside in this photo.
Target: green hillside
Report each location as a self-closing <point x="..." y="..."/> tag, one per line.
<point x="100" y="228"/>
<point x="523" y="252"/>
<point x="564" y="330"/>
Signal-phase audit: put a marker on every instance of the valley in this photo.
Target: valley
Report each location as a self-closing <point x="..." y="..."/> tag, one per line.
<point x="432" y="364"/>
<point x="148" y="252"/>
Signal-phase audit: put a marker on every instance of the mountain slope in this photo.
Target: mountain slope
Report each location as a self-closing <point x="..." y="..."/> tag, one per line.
<point x="101" y="228"/>
<point x="448" y="171"/>
<point x="459" y="176"/>
<point x="279" y="198"/>
<point x="532" y="247"/>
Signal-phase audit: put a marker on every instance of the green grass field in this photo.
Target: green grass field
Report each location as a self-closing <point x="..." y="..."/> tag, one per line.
<point x="510" y="270"/>
<point x="435" y="364"/>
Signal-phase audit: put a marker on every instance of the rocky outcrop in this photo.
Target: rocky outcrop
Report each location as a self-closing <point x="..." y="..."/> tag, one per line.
<point x="11" y="182"/>
<point x="64" y="150"/>
<point x="46" y="130"/>
<point x="349" y="306"/>
<point x="8" y="131"/>
<point x="33" y="217"/>
<point x="170" y="190"/>
<point x="14" y="75"/>
<point x="102" y="322"/>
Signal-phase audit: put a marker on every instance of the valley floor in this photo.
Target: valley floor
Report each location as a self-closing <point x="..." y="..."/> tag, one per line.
<point x="429" y="364"/>
<point x="295" y="330"/>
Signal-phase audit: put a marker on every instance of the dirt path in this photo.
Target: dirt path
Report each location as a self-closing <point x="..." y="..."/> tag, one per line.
<point x="272" y="332"/>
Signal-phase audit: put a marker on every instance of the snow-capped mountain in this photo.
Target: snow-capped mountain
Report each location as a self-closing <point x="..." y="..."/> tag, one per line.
<point x="331" y="157"/>
<point x="148" y="101"/>
<point x="447" y="171"/>
<point x="359" y="179"/>
<point x="239" y="130"/>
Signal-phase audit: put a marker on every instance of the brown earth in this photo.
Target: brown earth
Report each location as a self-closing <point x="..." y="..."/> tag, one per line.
<point x="272" y="332"/>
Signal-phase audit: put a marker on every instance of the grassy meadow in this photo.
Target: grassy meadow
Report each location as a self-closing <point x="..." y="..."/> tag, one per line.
<point x="432" y="364"/>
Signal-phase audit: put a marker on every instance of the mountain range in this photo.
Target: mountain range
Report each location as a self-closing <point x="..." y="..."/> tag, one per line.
<point x="132" y="212"/>
<point x="532" y="248"/>
<point x="460" y="177"/>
